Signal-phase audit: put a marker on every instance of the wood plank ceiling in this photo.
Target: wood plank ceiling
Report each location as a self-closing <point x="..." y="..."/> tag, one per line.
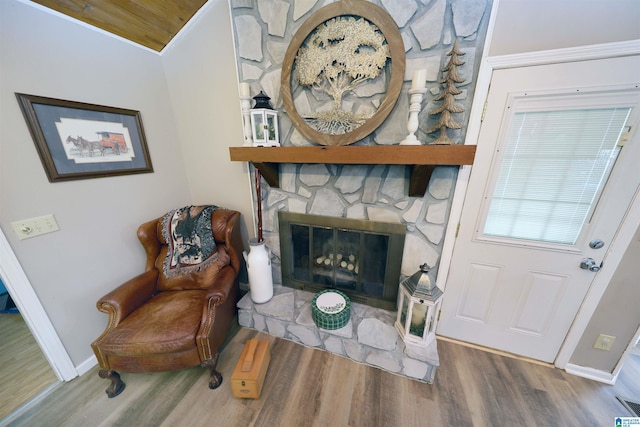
<point x="150" y="23"/>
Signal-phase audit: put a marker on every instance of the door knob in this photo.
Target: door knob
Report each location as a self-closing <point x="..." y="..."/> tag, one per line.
<point x="590" y="264"/>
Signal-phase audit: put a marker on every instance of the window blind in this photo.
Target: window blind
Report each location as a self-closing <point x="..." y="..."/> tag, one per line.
<point x="554" y="166"/>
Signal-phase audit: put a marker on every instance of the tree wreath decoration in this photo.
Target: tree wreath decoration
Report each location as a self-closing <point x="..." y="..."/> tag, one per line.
<point x="340" y="47"/>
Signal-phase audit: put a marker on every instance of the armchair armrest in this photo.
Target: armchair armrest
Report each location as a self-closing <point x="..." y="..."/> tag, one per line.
<point x="217" y="312"/>
<point x="221" y="287"/>
<point x="123" y="300"/>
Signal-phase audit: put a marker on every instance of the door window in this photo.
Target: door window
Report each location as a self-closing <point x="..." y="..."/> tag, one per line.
<point x="554" y="163"/>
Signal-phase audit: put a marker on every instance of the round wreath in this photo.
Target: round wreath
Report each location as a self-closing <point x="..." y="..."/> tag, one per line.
<point x="309" y="61"/>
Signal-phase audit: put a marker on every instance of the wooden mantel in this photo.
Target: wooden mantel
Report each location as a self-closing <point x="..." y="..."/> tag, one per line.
<point x="422" y="158"/>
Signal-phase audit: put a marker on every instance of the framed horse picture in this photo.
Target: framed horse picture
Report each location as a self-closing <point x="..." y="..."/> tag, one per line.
<point x="76" y="140"/>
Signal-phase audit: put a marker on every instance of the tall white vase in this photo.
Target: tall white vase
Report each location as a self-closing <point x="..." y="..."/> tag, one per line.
<point x="259" y="269"/>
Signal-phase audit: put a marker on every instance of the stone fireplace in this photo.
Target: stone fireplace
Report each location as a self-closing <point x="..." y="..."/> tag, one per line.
<point x="370" y="336"/>
<point x="368" y="192"/>
<point x="263" y="30"/>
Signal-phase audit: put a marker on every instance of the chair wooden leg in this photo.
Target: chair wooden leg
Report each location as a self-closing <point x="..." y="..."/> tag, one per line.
<point x="216" y="377"/>
<point x="117" y="385"/>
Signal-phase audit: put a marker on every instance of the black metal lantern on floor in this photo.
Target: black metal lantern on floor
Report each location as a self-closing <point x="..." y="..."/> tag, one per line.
<point x="418" y="305"/>
<point x="264" y="122"/>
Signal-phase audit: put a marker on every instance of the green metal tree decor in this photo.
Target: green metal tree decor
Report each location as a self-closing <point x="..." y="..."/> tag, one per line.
<point x="447" y="96"/>
<point x="339" y="55"/>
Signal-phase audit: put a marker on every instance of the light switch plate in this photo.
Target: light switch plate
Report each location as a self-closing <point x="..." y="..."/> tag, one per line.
<point x="33" y="227"/>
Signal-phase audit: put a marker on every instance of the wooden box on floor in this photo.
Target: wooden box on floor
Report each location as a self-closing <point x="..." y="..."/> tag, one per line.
<point x="248" y="376"/>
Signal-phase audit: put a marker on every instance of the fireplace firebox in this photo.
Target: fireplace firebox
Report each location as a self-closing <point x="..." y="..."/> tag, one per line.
<point x="361" y="258"/>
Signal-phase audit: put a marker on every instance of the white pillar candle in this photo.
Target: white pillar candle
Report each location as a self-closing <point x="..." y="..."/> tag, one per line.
<point x="245" y="90"/>
<point x="419" y="79"/>
<point x="418" y="314"/>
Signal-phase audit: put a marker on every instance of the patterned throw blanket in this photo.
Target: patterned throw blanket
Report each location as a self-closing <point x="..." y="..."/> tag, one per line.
<point x="188" y="233"/>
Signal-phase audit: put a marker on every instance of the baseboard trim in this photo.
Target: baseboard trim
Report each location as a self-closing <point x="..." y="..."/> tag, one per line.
<point x="591" y="374"/>
<point x="86" y="366"/>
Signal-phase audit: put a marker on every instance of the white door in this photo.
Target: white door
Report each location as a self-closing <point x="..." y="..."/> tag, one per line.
<point x="550" y="185"/>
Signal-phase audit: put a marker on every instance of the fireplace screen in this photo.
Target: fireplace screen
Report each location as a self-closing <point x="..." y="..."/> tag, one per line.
<point x="361" y="258"/>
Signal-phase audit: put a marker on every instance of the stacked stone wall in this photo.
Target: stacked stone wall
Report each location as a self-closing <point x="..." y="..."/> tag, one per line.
<point x="263" y="30"/>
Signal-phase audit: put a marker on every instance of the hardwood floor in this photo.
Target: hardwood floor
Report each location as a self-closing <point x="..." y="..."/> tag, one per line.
<point x="310" y="387"/>
<point x="24" y="370"/>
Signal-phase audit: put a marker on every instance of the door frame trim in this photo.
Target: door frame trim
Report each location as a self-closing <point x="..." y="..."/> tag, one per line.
<point x="631" y="221"/>
<point x="614" y="255"/>
<point x="625" y="355"/>
<point x="33" y="313"/>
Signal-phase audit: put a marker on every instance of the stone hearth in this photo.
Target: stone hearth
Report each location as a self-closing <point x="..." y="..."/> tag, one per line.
<point x="370" y="336"/>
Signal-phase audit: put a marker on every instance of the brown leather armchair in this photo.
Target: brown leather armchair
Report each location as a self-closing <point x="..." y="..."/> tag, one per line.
<point x="159" y="323"/>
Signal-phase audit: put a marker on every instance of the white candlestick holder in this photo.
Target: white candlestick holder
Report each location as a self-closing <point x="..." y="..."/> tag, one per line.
<point x="415" y="106"/>
<point x="246" y="117"/>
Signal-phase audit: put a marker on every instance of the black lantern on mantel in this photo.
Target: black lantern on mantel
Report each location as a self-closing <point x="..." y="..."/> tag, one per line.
<point x="264" y="122"/>
<point x="418" y="305"/>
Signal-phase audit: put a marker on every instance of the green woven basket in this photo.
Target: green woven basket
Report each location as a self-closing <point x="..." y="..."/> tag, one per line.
<point x="331" y="309"/>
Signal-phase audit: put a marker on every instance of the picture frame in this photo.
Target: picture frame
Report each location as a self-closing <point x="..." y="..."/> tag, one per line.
<point x="76" y="140"/>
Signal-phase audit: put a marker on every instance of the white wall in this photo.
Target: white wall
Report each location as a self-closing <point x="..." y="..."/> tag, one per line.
<point x="96" y="248"/>
<point x="528" y="26"/>
<point x="203" y="85"/>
